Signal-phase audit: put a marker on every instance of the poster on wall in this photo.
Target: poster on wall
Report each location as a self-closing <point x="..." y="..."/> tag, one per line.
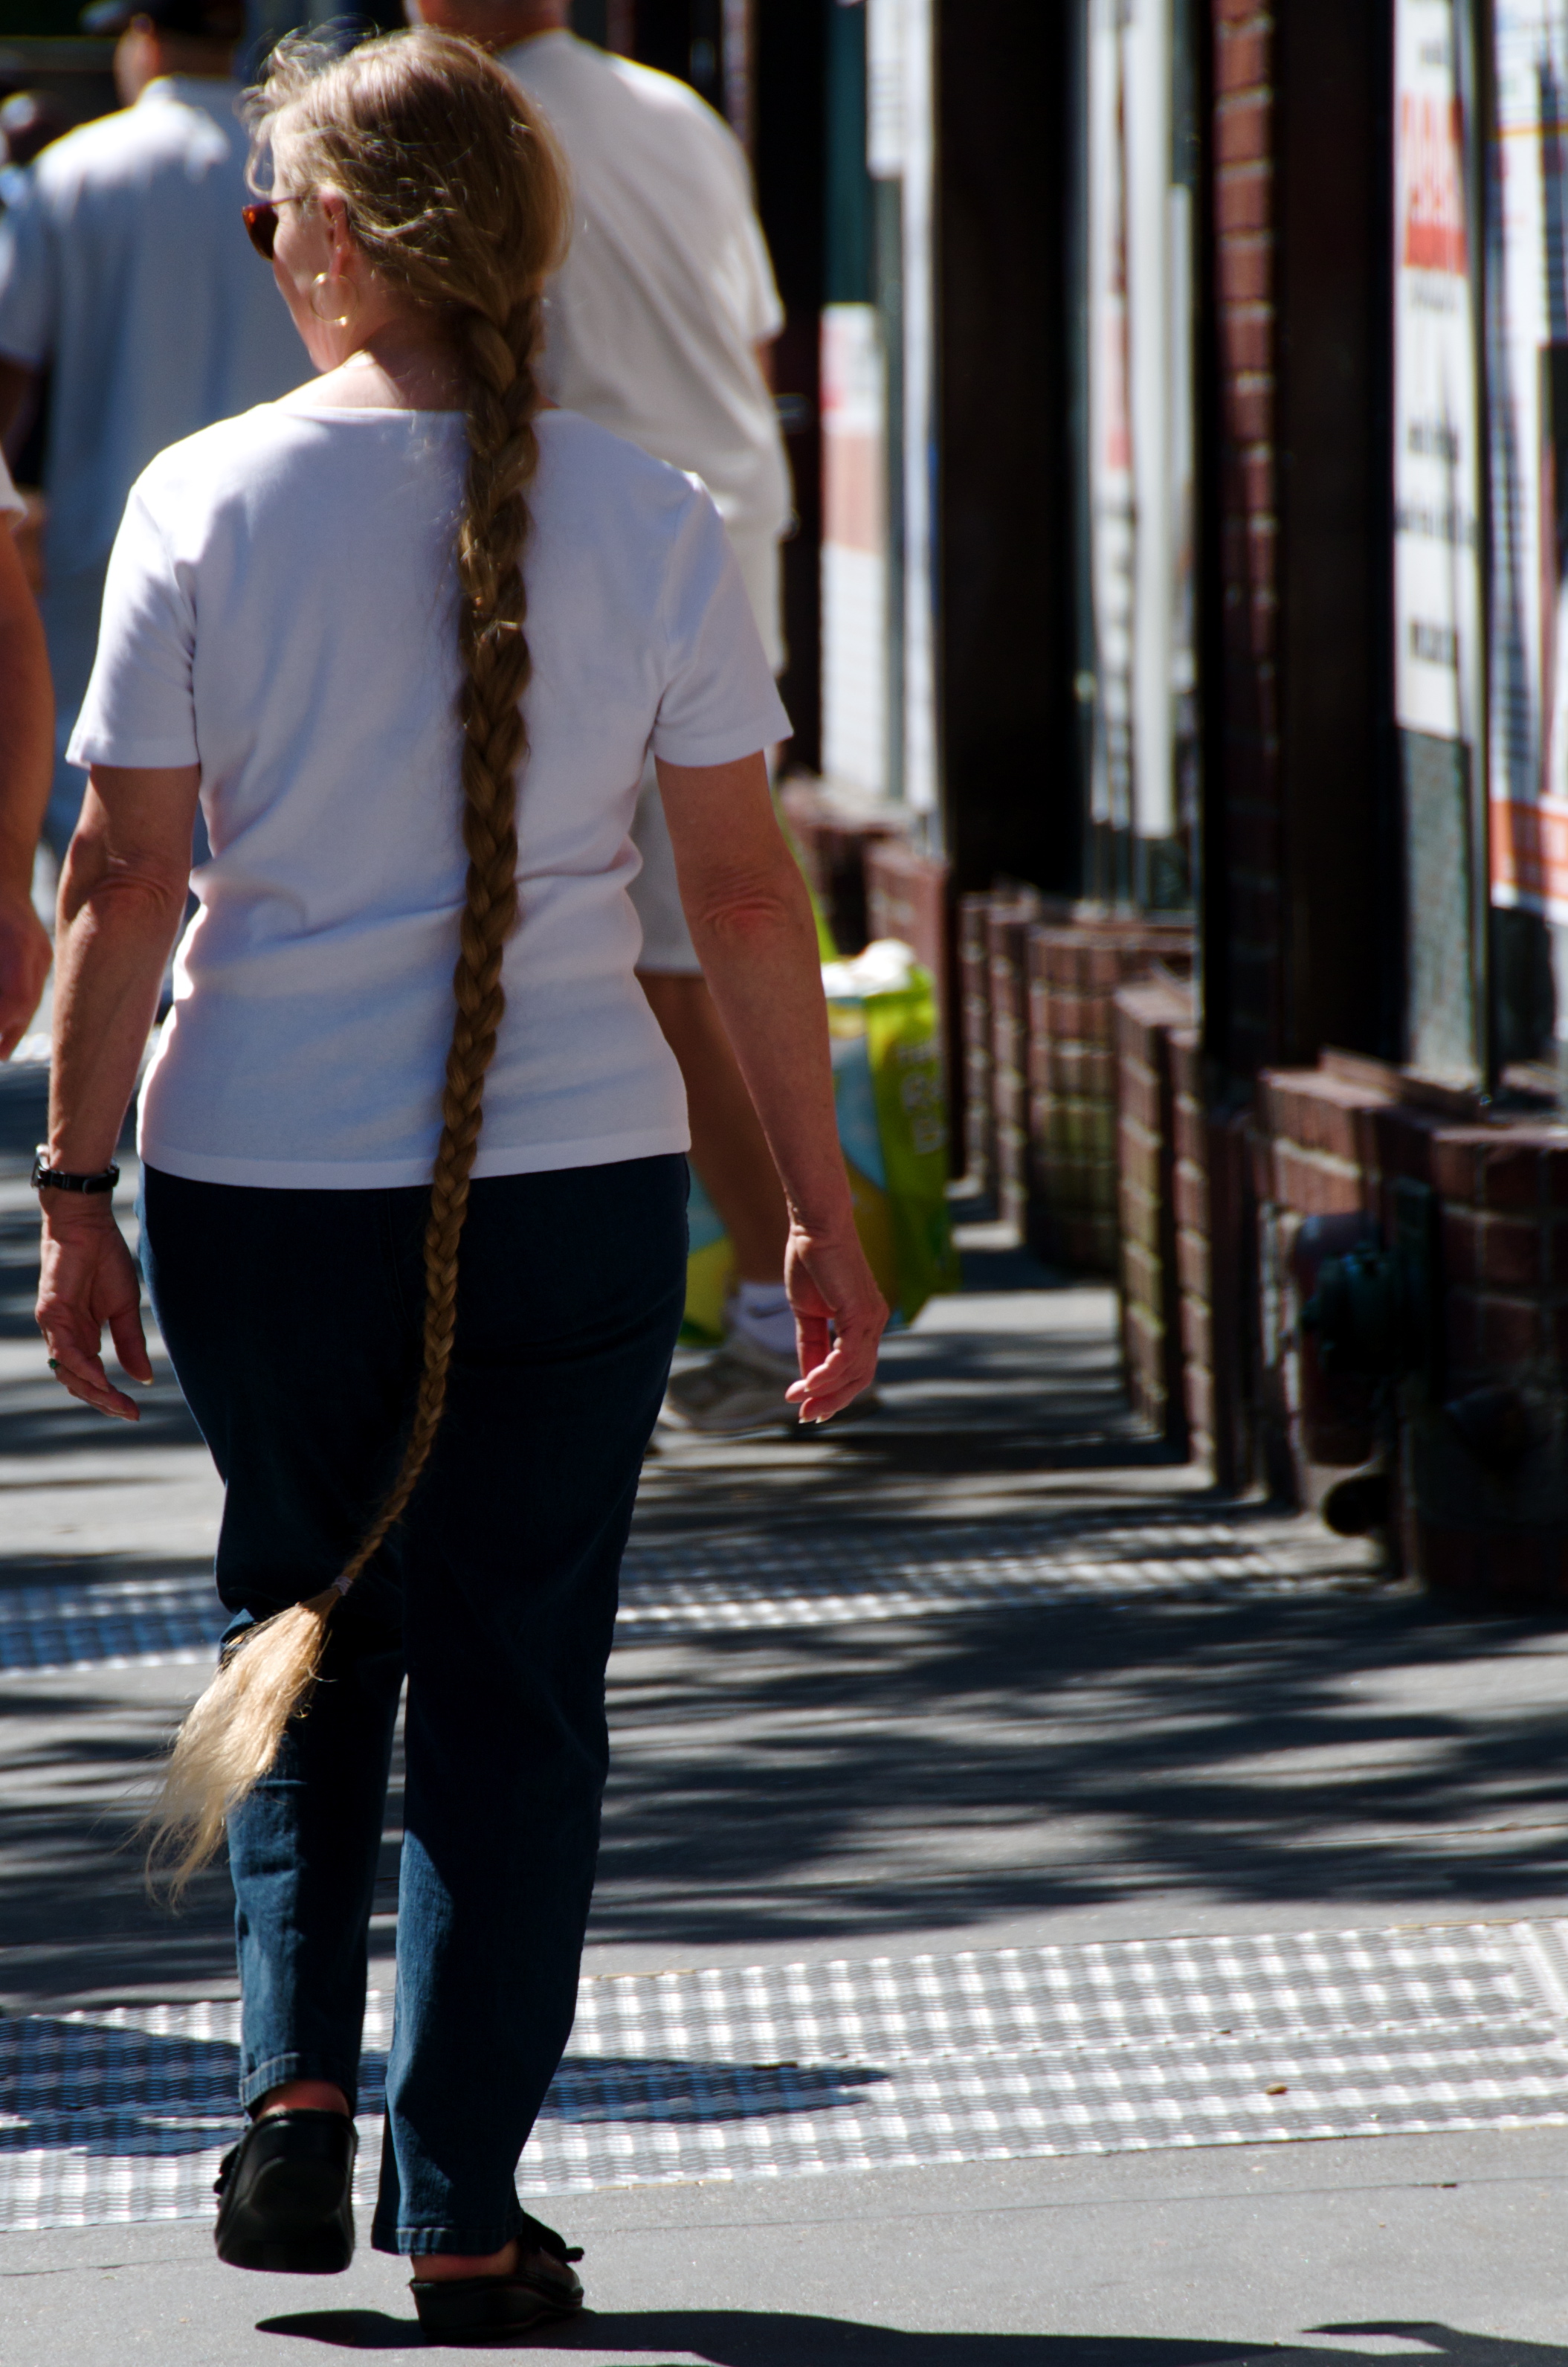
<point x="1439" y="648"/>
<point x="900" y="146"/>
<point x="1140" y="366"/>
<point x="1109" y="430"/>
<point x="1527" y="355"/>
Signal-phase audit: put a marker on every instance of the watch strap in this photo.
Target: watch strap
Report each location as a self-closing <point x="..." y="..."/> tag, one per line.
<point x="58" y="1178"/>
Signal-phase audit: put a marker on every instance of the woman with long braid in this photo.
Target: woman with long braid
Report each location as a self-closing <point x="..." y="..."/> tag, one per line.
<point x="409" y="641"/>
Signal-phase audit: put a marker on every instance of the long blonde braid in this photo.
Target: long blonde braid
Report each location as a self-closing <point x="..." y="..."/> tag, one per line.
<point x="418" y="132"/>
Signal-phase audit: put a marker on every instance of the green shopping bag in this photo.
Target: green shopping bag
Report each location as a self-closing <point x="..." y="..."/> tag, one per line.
<point x="892" y="1116"/>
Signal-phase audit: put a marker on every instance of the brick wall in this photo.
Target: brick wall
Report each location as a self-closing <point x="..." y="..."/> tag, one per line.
<point x="1216" y="1268"/>
<point x="1505" y="1247"/>
<point x="974" y="1095"/>
<point x="1145" y="1018"/>
<point x="1008" y="926"/>
<point x="1074" y="972"/>
<point x="1321" y="1139"/>
<point x="1483" y="1460"/>
<point x="980" y="916"/>
<point x="1485" y="1473"/>
<point x="1245" y="855"/>
<point x="907" y="898"/>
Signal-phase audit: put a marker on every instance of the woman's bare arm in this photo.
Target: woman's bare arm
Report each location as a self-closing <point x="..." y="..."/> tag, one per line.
<point x="751" y="924"/>
<point x="122" y="897"/>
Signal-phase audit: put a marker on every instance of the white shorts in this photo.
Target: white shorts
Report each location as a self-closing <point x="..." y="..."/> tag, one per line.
<point x="656" y="892"/>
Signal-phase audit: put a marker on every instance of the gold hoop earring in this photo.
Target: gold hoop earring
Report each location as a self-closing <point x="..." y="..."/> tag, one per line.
<point x="331" y="320"/>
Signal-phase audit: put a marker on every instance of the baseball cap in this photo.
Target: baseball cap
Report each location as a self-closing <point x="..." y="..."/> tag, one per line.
<point x="202" y="20"/>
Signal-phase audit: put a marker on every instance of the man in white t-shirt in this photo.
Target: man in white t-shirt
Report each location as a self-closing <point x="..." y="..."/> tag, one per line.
<point x="26" y="756"/>
<point x="661" y="327"/>
<point x="124" y="269"/>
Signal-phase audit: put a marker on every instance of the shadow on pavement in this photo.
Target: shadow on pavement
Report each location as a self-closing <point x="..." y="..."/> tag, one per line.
<point x="851" y="1784"/>
<point x="769" y="2338"/>
<point x="134" y="2093"/>
<point x="1347" y="1750"/>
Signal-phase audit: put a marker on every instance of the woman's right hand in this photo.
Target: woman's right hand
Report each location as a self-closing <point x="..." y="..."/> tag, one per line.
<point x="88" y="1279"/>
<point x="840" y="1316"/>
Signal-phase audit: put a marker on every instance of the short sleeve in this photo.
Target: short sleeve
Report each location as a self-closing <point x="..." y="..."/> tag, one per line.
<point x="139" y="709"/>
<point x="720" y="701"/>
<point x="26" y="280"/>
<point x="11" y="501"/>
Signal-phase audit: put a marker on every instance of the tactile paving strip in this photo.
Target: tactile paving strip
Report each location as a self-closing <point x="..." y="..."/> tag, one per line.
<point x="791" y="2070"/>
<point x="735" y="1584"/>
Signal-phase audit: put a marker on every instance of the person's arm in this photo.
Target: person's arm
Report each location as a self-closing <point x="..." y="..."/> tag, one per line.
<point x="27" y="758"/>
<point x="123" y="898"/>
<point x="751" y="925"/>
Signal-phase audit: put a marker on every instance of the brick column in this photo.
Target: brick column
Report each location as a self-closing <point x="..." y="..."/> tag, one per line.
<point x="1486" y="1471"/>
<point x="1145" y="1018"/>
<point x="1216" y="1268"/>
<point x="1074" y="969"/>
<point x="1482" y="1466"/>
<point x="1008" y="922"/>
<point x="973" y="1098"/>
<point x="1245" y="858"/>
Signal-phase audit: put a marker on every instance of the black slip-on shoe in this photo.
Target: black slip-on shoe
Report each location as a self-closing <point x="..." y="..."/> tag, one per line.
<point x="541" y="2288"/>
<point x="286" y="2195"/>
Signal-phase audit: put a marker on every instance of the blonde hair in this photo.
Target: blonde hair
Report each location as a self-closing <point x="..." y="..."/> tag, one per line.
<point x="456" y="196"/>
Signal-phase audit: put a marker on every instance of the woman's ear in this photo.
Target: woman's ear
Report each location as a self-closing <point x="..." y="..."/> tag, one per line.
<point x="333" y="214"/>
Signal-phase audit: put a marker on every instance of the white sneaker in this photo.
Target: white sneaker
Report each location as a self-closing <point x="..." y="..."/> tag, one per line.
<point x="741" y="1386"/>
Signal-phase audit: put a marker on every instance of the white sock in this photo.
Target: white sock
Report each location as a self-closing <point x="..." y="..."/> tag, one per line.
<point x="762" y="1312"/>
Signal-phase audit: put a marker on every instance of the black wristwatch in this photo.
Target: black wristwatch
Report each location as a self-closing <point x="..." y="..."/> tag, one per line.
<point x="55" y="1179"/>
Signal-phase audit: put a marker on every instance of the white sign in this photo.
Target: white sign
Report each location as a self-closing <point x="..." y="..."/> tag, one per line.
<point x="1527" y="333"/>
<point x="1140" y="472"/>
<point x="1439" y="654"/>
<point x="1110" y="425"/>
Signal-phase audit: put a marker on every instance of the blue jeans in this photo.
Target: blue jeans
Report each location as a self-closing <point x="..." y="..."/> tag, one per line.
<point x="293" y="1320"/>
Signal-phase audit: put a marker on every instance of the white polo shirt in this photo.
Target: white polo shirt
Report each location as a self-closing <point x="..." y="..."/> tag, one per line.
<point x="668" y="287"/>
<point x="124" y="262"/>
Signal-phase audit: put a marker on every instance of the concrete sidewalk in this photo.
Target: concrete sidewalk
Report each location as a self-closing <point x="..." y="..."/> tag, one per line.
<point x="968" y="1710"/>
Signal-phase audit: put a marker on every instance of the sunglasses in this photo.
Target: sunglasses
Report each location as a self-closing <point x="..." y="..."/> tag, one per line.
<point x="261" y="224"/>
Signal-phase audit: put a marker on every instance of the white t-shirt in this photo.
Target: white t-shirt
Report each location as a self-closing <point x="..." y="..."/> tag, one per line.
<point x="667" y="288"/>
<point x="280" y="608"/>
<point x="11" y="501"/>
<point x="125" y="262"/>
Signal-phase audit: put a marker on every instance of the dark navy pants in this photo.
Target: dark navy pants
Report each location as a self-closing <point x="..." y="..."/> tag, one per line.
<point x="293" y="1320"/>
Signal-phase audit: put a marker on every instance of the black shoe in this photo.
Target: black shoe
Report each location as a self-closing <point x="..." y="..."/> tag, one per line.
<point x="472" y="2309"/>
<point x="286" y="2195"/>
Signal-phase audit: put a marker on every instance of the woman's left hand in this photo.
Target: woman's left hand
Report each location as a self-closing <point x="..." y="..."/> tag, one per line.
<point x="88" y="1279"/>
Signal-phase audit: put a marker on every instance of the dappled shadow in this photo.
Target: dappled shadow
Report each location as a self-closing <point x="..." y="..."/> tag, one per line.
<point x="62" y="1574"/>
<point x="780" y="2339"/>
<point x="80" y="1750"/>
<point x="847" y="1785"/>
<point x="850" y="1785"/>
<point x="1024" y="1759"/>
<point x="998" y="1404"/>
<point x="132" y="2093"/>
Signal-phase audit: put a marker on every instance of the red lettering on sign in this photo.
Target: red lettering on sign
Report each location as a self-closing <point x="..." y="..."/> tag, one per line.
<point x="1431" y="136"/>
